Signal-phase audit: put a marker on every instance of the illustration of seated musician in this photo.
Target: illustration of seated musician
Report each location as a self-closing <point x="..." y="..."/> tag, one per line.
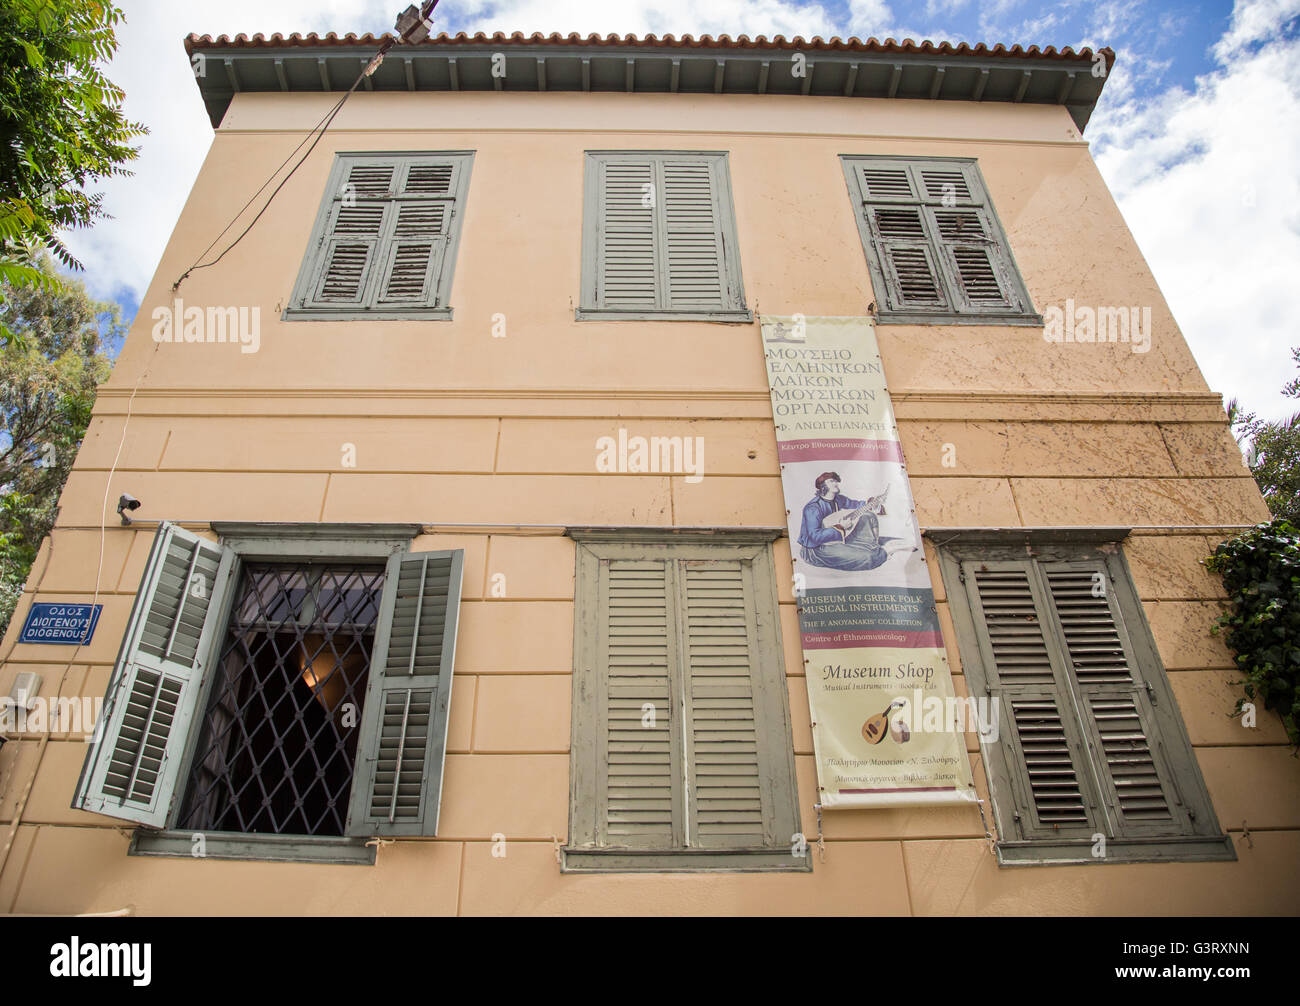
<point x="839" y="532"/>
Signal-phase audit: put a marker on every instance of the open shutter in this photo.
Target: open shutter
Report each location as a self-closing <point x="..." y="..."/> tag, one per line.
<point x="1025" y="670"/>
<point x="626" y="246"/>
<point x="132" y="767"/>
<point x="639" y="779"/>
<point x="398" y="778"/>
<point x="696" y="259"/>
<point x="729" y="797"/>
<point x="1135" y="781"/>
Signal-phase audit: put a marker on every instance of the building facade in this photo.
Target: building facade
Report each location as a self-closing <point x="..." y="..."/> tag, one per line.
<point x="400" y="592"/>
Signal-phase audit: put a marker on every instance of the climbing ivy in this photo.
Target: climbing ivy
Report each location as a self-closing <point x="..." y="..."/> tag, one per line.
<point x="1261" y="573"/>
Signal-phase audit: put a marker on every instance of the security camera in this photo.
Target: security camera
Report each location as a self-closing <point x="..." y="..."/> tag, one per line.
<point x="126" y="502"/>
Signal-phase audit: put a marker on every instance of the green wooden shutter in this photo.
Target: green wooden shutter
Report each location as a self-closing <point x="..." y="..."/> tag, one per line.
<point x="660" y="237"/>
<point x="729" y="795"/>
<point x="639" y="775"/>
<point x="416" y="244"/>
<point x="352" y="242"/>
<point x="131" y="770"/>
<point x="627" y="246"/>
<point x="1137" y="786"/>
<point x="969" y="245"/>
<point x="398" y="779"/>
<point x="933" y="241"/>
<point x="385" y="238"/>
<point x="681" y="739"/>
<point x="1024" y="669"/>
<point x="694" y="252"/>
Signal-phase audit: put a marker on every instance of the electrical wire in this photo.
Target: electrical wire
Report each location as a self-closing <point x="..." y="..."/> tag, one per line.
<point x="319" y="129"/>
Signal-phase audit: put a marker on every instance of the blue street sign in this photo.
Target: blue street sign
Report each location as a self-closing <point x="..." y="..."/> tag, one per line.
<point x="64" y="624"/>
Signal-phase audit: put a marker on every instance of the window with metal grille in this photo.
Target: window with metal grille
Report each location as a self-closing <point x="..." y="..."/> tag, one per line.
<point x="659" y="238"/>
<point x="279" y="738"/>
<point x="1090" y="744"/>
<point x="935" y="247"/>
<point x="682" y="757"/>
<point x="291" y="682"/>
<point x="384" y="242"/>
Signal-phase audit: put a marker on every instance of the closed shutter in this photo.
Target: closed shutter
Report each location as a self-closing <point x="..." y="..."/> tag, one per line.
<point x="640" y="766"/>
<point x="397" y="787"/>
<point x="693" y="237"/>
<point x="660" y="236"/>
<point x="726" y="796"/>
<point x="689" y="741"/>
<point x="1024" y="670"/>
<point x="422" y="212"/>
<point x="386" y="237"/>
<point x="1138" y="789"/>
<point x="933" y="242"/>
<point x="626" y="228"/>
<point x="132" y="767"/>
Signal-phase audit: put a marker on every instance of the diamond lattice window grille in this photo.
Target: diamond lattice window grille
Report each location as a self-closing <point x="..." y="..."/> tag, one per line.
<point x="280" y="732"/>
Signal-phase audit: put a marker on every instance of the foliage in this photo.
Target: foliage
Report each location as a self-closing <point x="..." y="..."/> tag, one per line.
<point x="1274" y="453"/>
<point x="61" y="128"/>
<point x="1261" y="573"/>
<point x="47" y="390"/>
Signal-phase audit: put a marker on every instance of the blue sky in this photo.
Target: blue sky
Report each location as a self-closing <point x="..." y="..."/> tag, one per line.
<point x="1197" y="132"/>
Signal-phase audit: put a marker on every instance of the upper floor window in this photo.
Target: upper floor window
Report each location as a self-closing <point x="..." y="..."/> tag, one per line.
<point x="934" y="244"/>
<point x="659" y="238"/>
<point x="384" y="242"/>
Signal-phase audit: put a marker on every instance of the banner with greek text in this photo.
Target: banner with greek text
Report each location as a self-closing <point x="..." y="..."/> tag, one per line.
<point x="887" y="726"/>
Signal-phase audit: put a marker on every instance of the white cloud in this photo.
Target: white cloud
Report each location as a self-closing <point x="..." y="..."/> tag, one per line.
<point x="1207" y="182"/>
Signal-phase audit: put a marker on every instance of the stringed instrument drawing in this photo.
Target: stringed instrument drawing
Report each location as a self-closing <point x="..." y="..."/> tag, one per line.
<point x="844" y="521"/>
<point x="877" y="727"/>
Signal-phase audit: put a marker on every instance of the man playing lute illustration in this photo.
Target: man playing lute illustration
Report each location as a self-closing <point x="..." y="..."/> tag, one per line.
<point x="839" y="532"/>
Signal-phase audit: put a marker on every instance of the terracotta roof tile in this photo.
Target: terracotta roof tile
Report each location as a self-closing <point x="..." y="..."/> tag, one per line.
<point x="778" y="42"/>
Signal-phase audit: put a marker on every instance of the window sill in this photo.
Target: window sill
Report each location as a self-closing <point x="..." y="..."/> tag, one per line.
<point x="319" y="314"/>
<point x="264" y="848"/>
<point x="1078" y="852"/>
<point x="991" y="320"/>
<point x="601" y="314"/>
<point x="685" y="861"/>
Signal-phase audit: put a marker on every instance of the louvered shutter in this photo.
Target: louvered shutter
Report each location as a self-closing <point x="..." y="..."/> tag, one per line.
<point x="729" y="798"/>
<point x="132" y="767"/>
<point x="385" y="239"/>
<point x="639" y="777"/>
<point x="626" y="229"/>
<point x="416" y="244"/>
<point x="1135" y="780"/>
<point x="693" y="236"/>
<point x="681" y="738"/>
<point x="894" y="218"/>
<point x="967" y="241"/>
<point x="353" y="240"/>
<point x="935" y="245"/>
<point x="397" y="786"/>
<point x="660" y="237"/>
<point x="1024" y="670"/>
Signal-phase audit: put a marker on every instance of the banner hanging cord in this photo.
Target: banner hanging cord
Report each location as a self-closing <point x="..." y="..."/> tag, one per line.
<point x="988" y="835"/>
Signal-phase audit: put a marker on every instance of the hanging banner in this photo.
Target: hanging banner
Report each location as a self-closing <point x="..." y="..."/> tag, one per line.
<point x="887" y="726"/>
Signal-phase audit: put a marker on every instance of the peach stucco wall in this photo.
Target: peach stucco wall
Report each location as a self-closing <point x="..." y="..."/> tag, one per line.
<point x="452" y="426"/>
